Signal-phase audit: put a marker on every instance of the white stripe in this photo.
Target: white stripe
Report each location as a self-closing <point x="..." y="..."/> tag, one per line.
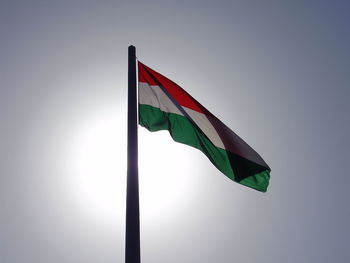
<point x="155" y="96"/>
<point x="207" y="128"/>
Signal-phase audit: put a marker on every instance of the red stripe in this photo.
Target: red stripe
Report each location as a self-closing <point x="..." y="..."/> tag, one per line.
<point x="152" y="77"/>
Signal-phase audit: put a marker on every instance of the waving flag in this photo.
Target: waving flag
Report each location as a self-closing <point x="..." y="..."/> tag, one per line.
<point x="163" y="105"/>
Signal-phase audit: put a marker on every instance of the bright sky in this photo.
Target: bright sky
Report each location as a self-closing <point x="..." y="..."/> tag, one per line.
<point x="276" y="72"/>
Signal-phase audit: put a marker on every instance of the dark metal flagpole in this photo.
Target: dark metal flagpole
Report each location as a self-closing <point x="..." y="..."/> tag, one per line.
<point x="132" y="229"/>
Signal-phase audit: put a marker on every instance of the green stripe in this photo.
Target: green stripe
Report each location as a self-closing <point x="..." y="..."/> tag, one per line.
<point x="182" y="130"/>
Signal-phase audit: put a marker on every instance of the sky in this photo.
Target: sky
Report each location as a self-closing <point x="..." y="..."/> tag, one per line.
<point x="276" y="72"/>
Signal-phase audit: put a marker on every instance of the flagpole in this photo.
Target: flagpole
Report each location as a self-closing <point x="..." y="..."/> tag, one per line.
<point x="132" y="227"/>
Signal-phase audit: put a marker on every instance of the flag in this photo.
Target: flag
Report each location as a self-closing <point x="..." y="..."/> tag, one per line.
<point x="164" y="105"/>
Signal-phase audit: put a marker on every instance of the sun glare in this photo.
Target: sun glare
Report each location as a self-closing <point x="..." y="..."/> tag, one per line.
<point x="164" y="176"/>
<point x="97" y="169"/>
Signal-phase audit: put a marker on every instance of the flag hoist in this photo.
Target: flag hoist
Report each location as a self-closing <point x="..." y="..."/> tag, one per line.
<point x="132" y="226"/>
